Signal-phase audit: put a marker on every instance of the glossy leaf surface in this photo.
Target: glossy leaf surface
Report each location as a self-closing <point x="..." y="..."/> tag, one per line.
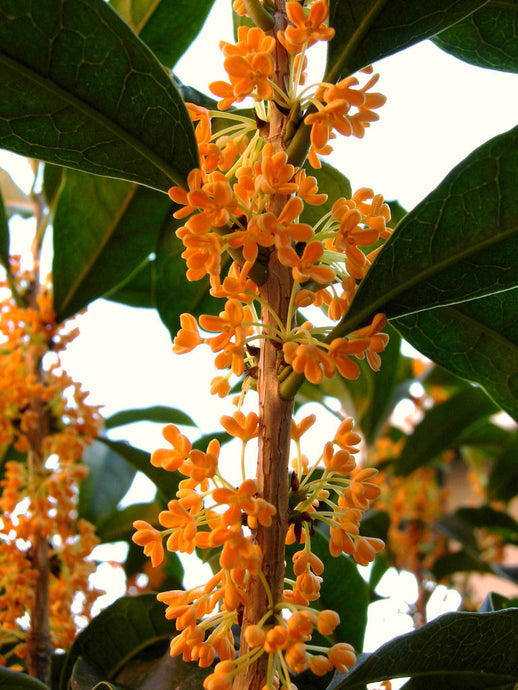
<point x="477" y="340"/>
<point x="470" y="650"/>
<point x="78" y="88"/>
<point x="487" y="38"/>
<point x="368" y="30"/>
<point x="158" y="21"/>
<point x="441" y="427"/>
<point x="460" y="243"/>
<point x="103" y="231"/>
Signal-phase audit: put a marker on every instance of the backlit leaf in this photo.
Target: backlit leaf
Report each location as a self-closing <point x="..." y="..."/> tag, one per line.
<point x="167" y="26"/>
<point x="460" y="243"/>
<point x="78" y="88"/>
<point x="471" y="650"/>
<point x="16" y="201"/>
<point x="477" y="340"/>
<point x="158" y="413"/>
<point x="487" y="38"/>
<point x="103" y="230"/>
<point x="368" y="30"/>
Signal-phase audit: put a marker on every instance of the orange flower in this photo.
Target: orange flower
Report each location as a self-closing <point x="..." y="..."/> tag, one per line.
<point x="256" y="235"/>
<point x="310" y="360"/>
<point x="180" y="196"/>
<point x="283" y="227"/>
<point x="340" y="351"/>
<point x="171" y="460"/>
<point x="275" y="173"/>
<point x="240" y="426"/>
<point x="308" y="189"/>
<point x="188" y="336"/>
<point x="342" y="656"/>
<point x="202" y="254"/>
<point x="151" y="539"/>
<point x="217" y="201"/>
<point x="250" y="40"/>
<point x="306" y="267"/>
<point x="229" y="322"/>
<point x="298" y="429"/>
<point x="305" y="30"/>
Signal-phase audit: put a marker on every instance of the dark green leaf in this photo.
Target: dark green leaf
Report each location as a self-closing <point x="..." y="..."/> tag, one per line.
<point x="168" y="27"/>
<point x="484" y="433"/>
<point x="157" y="413"/>
<point x="78" y="88"/>
<point x="503" y="479"/>
<point x="487" y="38"/>
<point x="440" y="428"/>
<point x="460" y="530"/>
<point x="477" y="340"/>
<point x="368" y="30"/>
<point x="12" y="680"/>
<point x="163" y="673"/>
<point x="467" y="648"/>
<point x="103" y="230"/>
<point x="490" y="518"/>
<point x="165" y="482"/>
<point x="4" y="234"/>
<point x="460" y="243"/>
<point x="86" y="676"/>
<point x="118" y="525"/>
<point x="137" y="289"/>
<point x="52" y="179"/>
<point x="463" y="561"/>
<point x="119" y="633"/>
<point x="497" y="602"/>
<point x="108" y="480"/>
<point x="173" y="293"/>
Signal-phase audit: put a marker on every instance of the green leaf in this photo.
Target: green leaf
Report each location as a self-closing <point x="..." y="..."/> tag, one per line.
<point x="168" y="27"/>
<point x="368" y="30"/>
<point x="490" y="518"/>
<point x="78" y="88"/>
<point x="137" y="289"/>
<point x="463" y="561"/>
<point x="497" y="602"/>
<point x="477" y="340"/>
<point x="52" y="178"/>
<point x="118" y="634"/>
<point x="107" y="482"/>
<point x="487" y="38"/>
<point x="13" y="680"/>
<point x="163" y="673"/>
<point x="471" y="650"/>
<point x="459" y="244"/>
<point x="440" y="428"/>
<point x="165" y="482"/>
<point x="87" y="676"/>
<point x="103" y="230"/>
<point x="173" y="293"/>
<point x="157" y="413"/>
<point x="503" y="479"/>
<point x="118" y="525"/>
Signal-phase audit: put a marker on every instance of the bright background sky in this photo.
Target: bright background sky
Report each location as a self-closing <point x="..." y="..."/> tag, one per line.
<point x="438" y="110"/>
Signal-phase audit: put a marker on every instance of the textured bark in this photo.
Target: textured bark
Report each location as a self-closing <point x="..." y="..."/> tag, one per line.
<point x="274" y="412"/>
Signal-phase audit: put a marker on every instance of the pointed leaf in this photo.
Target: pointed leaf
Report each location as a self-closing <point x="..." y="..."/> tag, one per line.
<point x="118" y="525"/>
<point x="477" y="340"/>
<point x="165" y="482"/>
<point x="473" y="650"/>
<point x="13" y="680"/>
<point x="460" y="243"/>
<point x="463" y="561"/>
<point x="118" y="634"/>
<point x="108" y="480"/>
<point x="86" y="676"/>
<point x="157" y="21"/>
<point x="489" y="518"/>
<point x="157" y="413"/>
<point x="103" y="230"/>
<point x="137" y="289"/>
<point x="78" y="88"/>
<point x="368" y="30"/>
<point x="487" y="38"/>
<point x="441" y="427"/>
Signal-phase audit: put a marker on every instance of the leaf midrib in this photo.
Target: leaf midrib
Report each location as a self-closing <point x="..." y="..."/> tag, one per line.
<point x="350" y="324"/>
<point x="97" y="116"/>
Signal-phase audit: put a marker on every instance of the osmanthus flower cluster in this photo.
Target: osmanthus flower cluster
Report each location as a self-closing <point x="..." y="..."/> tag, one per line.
<point x="41" y="411"/>
<point x="209" y="512"/>
<point x="227" y="208"/>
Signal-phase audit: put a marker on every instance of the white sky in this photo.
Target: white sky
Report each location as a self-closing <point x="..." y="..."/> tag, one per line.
<point x="438" y="110"/>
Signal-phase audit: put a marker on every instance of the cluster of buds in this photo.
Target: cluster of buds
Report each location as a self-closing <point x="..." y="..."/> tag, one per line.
<point x="41" y="501"/>
<point x="210" y="513"/>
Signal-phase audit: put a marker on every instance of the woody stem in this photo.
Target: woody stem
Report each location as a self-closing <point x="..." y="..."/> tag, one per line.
<point x="274" y="413"/>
